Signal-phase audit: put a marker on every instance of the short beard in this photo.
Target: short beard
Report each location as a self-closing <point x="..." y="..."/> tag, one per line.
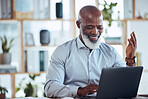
<point x="88" y="43"/>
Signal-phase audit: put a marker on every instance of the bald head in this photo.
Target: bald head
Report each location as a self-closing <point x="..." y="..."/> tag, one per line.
<point x="90" y="23"/>
<point x="89" y="12"/>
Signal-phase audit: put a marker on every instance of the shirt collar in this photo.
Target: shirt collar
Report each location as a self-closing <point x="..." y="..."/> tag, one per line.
<point x="81" y="45"/>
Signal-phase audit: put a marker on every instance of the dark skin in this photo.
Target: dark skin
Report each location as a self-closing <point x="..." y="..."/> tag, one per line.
<point x="91" y="24"/>
<point x="90" y="89"/>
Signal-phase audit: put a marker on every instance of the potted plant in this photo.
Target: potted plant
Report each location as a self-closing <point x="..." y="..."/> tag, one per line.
<point x="5" y="57"/>
<point x="107" y="12"/>
<point x="30" y="88"/>
<point x="107" y="15"/>
<point x="3" y="92"/>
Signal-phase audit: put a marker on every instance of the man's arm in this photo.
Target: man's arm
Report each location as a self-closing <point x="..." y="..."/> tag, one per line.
<point x="55" y="77"/>
<point x="130" y="52"/>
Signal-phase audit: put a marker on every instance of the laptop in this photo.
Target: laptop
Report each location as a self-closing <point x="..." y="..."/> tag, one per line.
<point x="119" y="82"/>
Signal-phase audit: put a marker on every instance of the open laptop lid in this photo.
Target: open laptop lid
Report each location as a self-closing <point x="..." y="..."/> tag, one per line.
<point x="119" y="82"/>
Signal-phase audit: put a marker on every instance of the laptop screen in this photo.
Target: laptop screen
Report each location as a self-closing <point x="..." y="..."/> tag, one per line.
<point x="119" y="82"/>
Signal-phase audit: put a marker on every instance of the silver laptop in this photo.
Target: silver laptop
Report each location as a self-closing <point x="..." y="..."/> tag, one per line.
<point x="119" y="82"/>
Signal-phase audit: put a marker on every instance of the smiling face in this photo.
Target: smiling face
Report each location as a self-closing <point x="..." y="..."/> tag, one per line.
<point x="91" y="26"/>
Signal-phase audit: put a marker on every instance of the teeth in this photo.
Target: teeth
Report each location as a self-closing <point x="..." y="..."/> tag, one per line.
<point x="94" y="37"/>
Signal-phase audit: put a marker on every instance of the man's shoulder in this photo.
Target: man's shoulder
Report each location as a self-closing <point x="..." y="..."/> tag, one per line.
<point x="66" y="46"/>
<point x="106" y="47"/>
<point x="63" y="49"/>
<point x="109" y="51"/>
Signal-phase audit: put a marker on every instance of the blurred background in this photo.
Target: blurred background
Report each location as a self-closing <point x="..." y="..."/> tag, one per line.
<point x="32" y="29"/>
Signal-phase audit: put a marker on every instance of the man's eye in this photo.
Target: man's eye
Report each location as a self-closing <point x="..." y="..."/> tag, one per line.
<point x="89" y="27"/>
<point x="100" y="27"/>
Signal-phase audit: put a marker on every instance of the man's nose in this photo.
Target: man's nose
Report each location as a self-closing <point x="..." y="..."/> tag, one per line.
<point x="96" y="31"/>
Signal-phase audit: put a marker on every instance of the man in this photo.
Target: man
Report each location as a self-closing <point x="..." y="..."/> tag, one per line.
<point x="76" y="65"/>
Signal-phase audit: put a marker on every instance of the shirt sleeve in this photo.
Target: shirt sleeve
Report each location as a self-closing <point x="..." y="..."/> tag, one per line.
<point x="119" y="62"/>
<point x="54" y="86"/>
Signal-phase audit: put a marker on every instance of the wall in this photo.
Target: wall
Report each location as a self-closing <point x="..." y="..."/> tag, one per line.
<point x="140" y="28"/>
<point x="141" y="7"/>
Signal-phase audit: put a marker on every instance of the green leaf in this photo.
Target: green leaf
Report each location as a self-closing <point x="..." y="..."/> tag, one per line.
<point x="107" y="12"/>
<point x="3" y="90"/>
<point x="32" y="77"/>
<point x="28" y="90"/>
<point x="5" y="46"/>
<point x="5" y="39"/>
<point x="44" y="94"/>
<point x="17" y="89"/>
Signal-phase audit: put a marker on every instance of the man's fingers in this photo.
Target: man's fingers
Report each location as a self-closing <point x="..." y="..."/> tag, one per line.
<point x="90" y="89"/>
<point x="134" y="36"/>
<point x="83" y="92"/>
<point x="131" y="43"/>
<point x="133" y="39"/>
<point x="94" y="89"/>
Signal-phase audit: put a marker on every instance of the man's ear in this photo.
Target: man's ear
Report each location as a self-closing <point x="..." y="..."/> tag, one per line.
<point x="78" y="24"/>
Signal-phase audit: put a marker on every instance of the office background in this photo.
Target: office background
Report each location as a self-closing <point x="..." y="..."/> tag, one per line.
<point x="23" y="21"/>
